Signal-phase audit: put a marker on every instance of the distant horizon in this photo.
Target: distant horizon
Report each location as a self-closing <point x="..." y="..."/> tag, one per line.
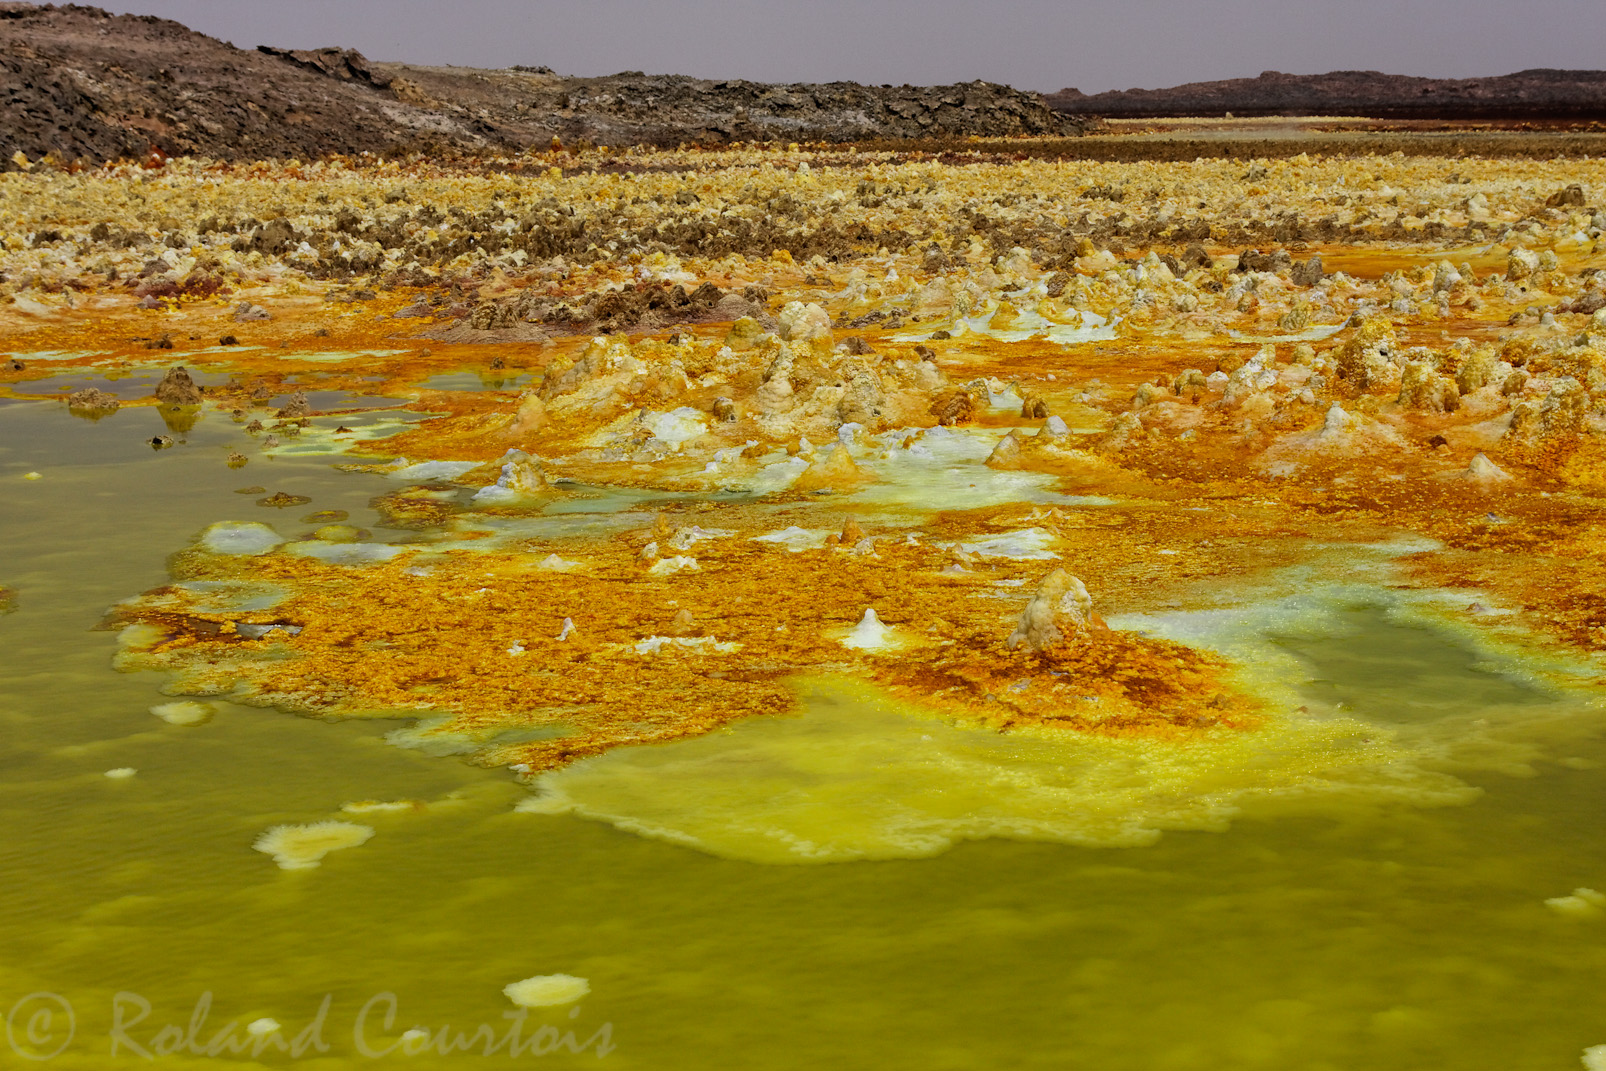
<point x="1036" y="45"/>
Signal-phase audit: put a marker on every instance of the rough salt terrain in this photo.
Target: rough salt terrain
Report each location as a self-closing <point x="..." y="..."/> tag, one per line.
<point x="998" y="435"/>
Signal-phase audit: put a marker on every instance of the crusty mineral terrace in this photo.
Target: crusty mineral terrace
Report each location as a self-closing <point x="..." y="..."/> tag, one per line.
<point x="755" y="413"/>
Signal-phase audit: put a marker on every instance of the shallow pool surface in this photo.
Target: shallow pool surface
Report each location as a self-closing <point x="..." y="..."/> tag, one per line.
<point x="1273" y="928"/>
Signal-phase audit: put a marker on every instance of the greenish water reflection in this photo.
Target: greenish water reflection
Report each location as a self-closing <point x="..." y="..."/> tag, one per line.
<point x="1361" y="937"/>
<point x="1399" y="674"/>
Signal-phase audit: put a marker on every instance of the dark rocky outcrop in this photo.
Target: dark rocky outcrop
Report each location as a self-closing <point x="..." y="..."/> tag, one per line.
<point x="346" y="64"/>
<point x="1535" y="94"/>
<point x="83" y="84"/>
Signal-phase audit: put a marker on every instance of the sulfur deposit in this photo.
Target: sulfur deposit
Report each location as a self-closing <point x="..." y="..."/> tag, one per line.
<point x="666" y="431"/>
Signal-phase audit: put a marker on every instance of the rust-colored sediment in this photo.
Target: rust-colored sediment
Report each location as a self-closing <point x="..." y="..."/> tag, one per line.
<point x="1469" y="302"/>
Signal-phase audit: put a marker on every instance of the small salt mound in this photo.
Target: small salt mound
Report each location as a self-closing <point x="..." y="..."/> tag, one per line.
<point x="303" y="847"/>
<point x="1482" y="470"/>
<point x="553" y="563"/>
<point x="237" y="537"/>
<point x="1594" y="1058"/>
<point x="184" y="713"/>
<point x="122" y="773"/>
<point x="666" y="566"/>
<point x="521" y="479"/>
<point x="1582" y="904"/>
<point x="546" y="990"/>
<point x="869" y="634"/>
<point x="834" y="470"/>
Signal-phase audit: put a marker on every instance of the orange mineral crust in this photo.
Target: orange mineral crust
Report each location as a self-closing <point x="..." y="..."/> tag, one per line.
<point x="610" y="653"/>
<point x="662" y="430"/>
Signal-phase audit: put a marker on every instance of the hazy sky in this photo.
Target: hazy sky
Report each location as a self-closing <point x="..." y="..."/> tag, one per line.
<point x="1032" y="44"/>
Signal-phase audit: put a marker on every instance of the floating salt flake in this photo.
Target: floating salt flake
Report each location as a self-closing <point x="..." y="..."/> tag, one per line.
<point x="516" y="650"/>
<point x="122" y="773"/>
<point x="1582" y="904"/>
<point x="303" y="847"/>
<point x="33" y="476"/>
<point x="258" y="1028"/>
<point x="1594" y="1058"/>
<point x="249" y="538"/>
<point x="184" y="712"/>
<point x="381" y="806"/>
<point x="546" y="990"/>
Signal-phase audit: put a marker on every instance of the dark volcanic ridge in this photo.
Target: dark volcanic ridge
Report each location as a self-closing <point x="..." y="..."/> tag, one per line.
<point x="1536" y="94"/>
<point x="81" y="83"/>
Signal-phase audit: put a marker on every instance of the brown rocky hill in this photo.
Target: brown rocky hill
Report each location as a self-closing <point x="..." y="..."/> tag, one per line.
<point x="1535" y="94"/>
<point x="85" y="84"/>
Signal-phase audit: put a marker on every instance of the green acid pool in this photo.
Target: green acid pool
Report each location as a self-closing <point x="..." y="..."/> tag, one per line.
<point x="1342" y="932"/>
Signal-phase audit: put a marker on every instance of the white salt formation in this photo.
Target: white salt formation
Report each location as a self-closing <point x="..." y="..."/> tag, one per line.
<point x="803" y="322"/>
<point x="381" y="806"/>
<point x="546" y="990"/>
<point x="236" y="537"/>
<point x="678" y="564"/>
<point x="869" y="634"/>
<point x="1582" y="904"/>
<point x="1061" y="605"/>
<point x="183" y="713"/>
<point x="303" y="847"/>
<point x="1482" y="470"/>
<point x="521" y="478"/>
